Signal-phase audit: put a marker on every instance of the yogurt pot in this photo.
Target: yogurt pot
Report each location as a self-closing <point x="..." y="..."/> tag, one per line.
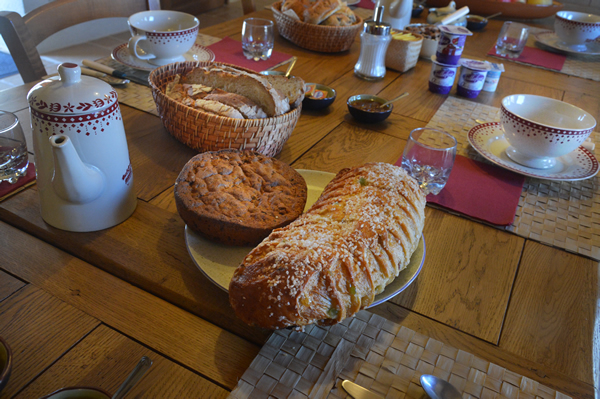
<point x="493" y="77"/>
<point x="451" y="44"/>
<point x="472" y="77"/>
<point x="441" y="78"/>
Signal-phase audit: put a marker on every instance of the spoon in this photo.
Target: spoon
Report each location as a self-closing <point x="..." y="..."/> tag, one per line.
<point x="393" y="99"/>
<point x="133" y="377"/>
<point x="493" y="15"/>
<point x="437" y="388"/>
<point x="287" y="73"/>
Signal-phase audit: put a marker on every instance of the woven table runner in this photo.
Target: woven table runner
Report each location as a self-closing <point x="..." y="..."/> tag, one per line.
<point x="582" y="66"/>
<point x="379" y="355"/>
<point x="564" y="214"/>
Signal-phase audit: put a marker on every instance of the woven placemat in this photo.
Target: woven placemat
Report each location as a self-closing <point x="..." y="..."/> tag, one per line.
<point x="582" y="66"/>
<point x="139" y="96"/>
<point x="564" y="214"/>
<point x="379" y="355"/>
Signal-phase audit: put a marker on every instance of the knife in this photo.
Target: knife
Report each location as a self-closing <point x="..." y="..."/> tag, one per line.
<point x="116" y="73"/>
<point x="358" y="392"/>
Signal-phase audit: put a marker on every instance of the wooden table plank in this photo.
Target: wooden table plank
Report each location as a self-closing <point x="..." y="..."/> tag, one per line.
<point x="554" y="304"/>
<point x="105" y="358"/>
<point x="147" y="250"/>
<point x="201" y="345"/>
<point x="39" y="328"/>
<point x="9" y="285"/>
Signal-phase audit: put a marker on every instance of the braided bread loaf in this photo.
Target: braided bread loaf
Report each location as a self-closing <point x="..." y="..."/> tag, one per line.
<point x="332" y="261"/>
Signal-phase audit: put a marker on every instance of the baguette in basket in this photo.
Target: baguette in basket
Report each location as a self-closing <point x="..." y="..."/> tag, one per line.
<point x="332" y="261"/>
<point x="235" y="93"/>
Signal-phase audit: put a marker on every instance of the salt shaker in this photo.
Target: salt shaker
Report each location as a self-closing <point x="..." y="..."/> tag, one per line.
<point x="374" y="41"/>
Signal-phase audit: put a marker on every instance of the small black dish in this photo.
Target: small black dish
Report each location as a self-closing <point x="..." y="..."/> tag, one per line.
<point x="323" y="98"/>
<point x="5" y="363"/>
<point x="417" y="10"/>
<point x="475" y="22"/>
<point x="358" y="106"/>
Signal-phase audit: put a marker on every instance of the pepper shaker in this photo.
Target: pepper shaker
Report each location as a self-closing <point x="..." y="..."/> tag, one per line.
<point x="374" y="41"/>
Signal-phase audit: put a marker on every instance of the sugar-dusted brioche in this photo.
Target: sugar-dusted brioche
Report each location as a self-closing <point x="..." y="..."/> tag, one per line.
<point x="332" y="261"/>
<point x="238" y="197"/>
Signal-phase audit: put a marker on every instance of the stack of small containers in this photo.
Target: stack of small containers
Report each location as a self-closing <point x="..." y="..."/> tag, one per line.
<point x="447" y="58"/>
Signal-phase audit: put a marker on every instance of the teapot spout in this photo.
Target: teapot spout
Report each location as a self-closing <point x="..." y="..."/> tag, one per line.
<point x="73" y="180"/>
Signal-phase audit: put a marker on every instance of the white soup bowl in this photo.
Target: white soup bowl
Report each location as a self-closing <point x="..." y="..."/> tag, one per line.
<point x="540" y="129"/>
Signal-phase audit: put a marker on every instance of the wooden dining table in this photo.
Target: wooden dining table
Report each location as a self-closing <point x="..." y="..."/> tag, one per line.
<point x="81" y="309"/>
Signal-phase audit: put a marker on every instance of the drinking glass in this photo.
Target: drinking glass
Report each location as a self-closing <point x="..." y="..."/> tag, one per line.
<point x="258" y="38"/>
<point x="512" y="39"/>
<point x="13" y="149"/>
<point x="428" y="157"/>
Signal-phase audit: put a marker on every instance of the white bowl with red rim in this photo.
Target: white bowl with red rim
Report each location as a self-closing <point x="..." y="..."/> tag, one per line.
<point x="541" y="129"/>
<point x="577" y="30"/>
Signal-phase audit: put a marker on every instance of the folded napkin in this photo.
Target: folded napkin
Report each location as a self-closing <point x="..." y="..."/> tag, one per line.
<point x="537" y="57"/>
<point x="368" y="4"/>
<point x="481" y="191"/>
<point x="230" y="51"/>
<point x="7" y="189"/>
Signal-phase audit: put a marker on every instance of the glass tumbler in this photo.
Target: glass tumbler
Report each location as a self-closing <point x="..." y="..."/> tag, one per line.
<point x="13" y="149"/>
<point x="512" y="39"/>
<point x="258" y="38"/>
<point x="428" y="157"/>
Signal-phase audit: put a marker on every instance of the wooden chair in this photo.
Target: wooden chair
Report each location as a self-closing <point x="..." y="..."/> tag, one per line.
<point x="23" y="34"/>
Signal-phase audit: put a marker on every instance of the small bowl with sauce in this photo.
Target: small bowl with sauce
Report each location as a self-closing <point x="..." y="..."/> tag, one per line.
<point x="475" y="22"/>
<point x="5" y="363"/>
<point x="317" y="96"/>
<point x="367" y="108"/>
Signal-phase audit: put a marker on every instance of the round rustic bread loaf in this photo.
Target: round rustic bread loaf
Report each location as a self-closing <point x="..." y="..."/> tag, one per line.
<point x="238" y="197"/>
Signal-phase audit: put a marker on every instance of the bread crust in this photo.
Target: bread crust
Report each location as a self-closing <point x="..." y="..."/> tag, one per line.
<point x="251" y="85"/>
<point x="238" y="197"/>
<point x="334" y="259"/>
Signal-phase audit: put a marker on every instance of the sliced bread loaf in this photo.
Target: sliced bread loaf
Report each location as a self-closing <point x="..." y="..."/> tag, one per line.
<point x="254" y="86"/>
<point x="292" y="88"/>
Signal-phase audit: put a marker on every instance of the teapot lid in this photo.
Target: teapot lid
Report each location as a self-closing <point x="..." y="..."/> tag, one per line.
<point x="70" y="93"/>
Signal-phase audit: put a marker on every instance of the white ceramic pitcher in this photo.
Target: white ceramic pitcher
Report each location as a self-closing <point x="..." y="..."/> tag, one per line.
<point x="84" y="175"/>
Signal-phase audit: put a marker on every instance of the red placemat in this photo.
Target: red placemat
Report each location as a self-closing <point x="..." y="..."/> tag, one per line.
<point x="537" y="57"/>
<point x="481" y="191"/>
<point x="230" y="51"/>
<point x="7" y="189"/>
<point x="368" y="4"/>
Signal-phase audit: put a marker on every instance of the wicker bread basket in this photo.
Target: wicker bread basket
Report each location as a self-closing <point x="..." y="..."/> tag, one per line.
<point x="204" y="131"/>
<point x="403" y="55"/>
<point x="325" y="39"/>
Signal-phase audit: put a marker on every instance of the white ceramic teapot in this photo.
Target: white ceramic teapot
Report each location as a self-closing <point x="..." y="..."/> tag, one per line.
<point x="397" y="12"/>
<point x="84" y="175"/>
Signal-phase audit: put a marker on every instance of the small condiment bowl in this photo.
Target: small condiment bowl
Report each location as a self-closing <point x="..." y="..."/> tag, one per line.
<point x="476" y="22"/>
<point x="5" y="363"/>
<point x="358" y="107"/>
<point x="318" y="96"/>
<point x="78" y="393"/>
<point x="541" y="129"/>
<point x="417" y="10"/>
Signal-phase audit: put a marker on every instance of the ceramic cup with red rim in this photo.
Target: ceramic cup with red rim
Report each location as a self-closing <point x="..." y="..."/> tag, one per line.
<point x="541" y="129"/>
<point x="577" y="30"/>
<point x="441" y="78"/>
<point x="161" y="36"/>
<point x="472" y="77"/>
<point x="451" y="44"/>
